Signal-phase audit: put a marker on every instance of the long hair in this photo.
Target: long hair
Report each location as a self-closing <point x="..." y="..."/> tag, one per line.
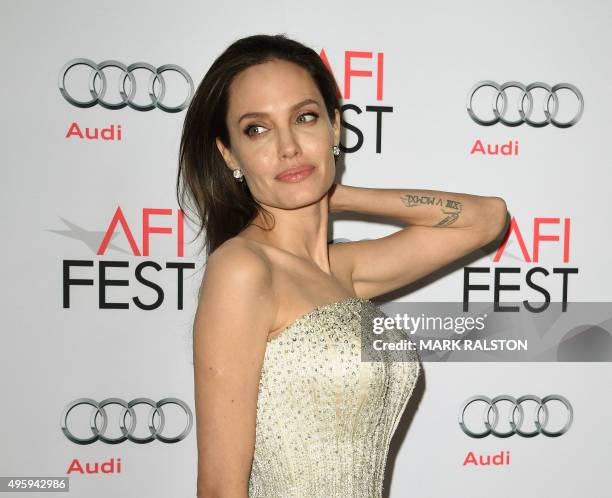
<point x="205" y="186"/>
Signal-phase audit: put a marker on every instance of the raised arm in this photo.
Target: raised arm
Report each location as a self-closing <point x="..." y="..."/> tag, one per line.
<point x="440" y="228"/>
<point x="234" y="315"/>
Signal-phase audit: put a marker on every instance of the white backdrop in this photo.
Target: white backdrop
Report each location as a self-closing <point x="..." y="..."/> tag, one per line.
<point x="61" y="192"/>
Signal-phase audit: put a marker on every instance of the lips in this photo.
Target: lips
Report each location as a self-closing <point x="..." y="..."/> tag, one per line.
<point x="295" y="174"/>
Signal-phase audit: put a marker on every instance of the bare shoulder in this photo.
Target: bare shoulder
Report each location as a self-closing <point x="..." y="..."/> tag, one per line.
<point x="239" y="259"/>
<point x="238" y="277"/>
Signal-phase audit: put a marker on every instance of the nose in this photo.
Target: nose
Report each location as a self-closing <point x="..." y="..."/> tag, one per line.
<point x="288" y="145"/>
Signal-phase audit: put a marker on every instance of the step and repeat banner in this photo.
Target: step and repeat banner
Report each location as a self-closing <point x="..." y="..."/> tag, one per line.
<point x="101" y="270"/>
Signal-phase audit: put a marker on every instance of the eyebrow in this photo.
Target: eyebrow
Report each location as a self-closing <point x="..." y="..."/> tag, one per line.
<point x="292" y="108"/>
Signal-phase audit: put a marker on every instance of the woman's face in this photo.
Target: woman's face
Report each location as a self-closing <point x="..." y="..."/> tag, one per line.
<point x="277" y="120"/>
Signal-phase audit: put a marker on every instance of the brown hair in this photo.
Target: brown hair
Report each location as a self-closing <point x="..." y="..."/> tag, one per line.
<point x="224" y="206"/>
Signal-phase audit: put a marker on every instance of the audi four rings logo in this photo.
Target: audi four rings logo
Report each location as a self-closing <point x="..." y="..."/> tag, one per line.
<point x="127" y="432"/>
<point x="525" y="113"/>
<point x="126" y="73"/>
<point x="516" y="425"/>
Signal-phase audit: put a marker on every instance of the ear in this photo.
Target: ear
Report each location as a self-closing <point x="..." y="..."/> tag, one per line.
<point x="336" y="126"/>
<point x="224" y="151"/>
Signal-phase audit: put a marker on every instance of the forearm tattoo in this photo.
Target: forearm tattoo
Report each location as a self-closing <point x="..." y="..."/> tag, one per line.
<point x="450" y="209"/>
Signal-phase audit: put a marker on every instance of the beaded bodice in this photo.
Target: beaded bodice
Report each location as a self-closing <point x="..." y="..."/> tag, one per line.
<point x="324" y="417"/>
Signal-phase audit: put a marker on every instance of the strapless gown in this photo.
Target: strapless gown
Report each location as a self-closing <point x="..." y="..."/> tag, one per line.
<point x="325" y="417"/>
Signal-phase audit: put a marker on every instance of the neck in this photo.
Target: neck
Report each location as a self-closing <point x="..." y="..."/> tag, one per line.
<point x="301" y="232"/>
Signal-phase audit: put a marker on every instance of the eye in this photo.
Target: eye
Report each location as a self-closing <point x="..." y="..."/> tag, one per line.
<point x="314" y="114"/>
<point x="247" y="130"/>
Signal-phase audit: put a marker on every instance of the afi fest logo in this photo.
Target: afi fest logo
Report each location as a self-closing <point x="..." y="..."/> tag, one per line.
<point x="101" y="277"/>
<point x="508" y="283"/>
<point x="374" y="73"/>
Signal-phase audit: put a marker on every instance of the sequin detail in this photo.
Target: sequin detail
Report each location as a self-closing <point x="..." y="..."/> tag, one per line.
<point x="324" y="417"/>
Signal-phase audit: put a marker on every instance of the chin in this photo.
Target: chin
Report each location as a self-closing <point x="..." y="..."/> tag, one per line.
<point x="303" y="199"/>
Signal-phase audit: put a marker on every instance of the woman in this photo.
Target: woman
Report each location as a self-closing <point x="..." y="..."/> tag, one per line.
<point x="284" y="405"/>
